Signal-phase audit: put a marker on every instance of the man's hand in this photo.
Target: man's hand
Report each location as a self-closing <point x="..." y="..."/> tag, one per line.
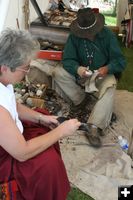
<point x="103" y="71"/>
<point x="81" y="71"/>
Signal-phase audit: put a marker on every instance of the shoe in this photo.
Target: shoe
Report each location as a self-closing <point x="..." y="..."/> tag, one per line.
<point x="101" y="132"/>
<point x="113" y="117"/>
<point x="93" y="136"/>
<point x="81" y="106"/>
<point x="61" y="119"/>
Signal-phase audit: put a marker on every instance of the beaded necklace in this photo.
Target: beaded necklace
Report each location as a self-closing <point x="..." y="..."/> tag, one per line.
<point x="89" y="55"/>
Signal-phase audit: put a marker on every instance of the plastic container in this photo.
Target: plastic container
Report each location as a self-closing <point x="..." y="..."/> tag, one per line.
<point x="123" y="143"/>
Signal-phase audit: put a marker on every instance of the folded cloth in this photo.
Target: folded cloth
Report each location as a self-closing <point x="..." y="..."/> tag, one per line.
<point x="90" y="84"/>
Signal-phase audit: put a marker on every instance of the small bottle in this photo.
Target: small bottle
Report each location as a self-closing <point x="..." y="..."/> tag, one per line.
<point x="123" y="143"/>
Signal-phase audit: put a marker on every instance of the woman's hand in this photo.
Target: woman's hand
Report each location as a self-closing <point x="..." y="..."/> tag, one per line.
<point x="48" y="120"/>
<point x="68" y="127"/>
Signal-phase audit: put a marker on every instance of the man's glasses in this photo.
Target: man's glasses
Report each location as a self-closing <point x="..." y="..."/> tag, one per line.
<point x="24" y="70"/>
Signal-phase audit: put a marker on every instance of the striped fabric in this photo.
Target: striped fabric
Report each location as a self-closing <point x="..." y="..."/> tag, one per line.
<point x="8" y="190"/>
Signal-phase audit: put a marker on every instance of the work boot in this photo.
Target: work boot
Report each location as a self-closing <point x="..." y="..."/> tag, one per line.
<point x="93" y="136"/>
<point x="82" y="105"/>
<point x="101" y="132"/>
<point x="79" y="111"/>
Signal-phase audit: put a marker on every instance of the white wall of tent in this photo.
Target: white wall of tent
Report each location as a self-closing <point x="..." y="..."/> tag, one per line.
<point x="13" y="12"/>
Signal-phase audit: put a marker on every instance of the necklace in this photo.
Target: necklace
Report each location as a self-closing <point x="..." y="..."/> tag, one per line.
<point x="89" y="55"/>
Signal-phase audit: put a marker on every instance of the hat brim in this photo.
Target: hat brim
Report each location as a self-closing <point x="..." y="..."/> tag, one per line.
<point x="86" y="33"/>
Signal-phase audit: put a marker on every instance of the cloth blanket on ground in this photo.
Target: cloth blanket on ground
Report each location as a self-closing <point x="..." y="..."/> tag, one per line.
<point x="99" y="172"/>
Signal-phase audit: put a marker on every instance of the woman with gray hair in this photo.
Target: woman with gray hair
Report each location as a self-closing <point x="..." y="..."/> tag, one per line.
<point x="30" y="162"/>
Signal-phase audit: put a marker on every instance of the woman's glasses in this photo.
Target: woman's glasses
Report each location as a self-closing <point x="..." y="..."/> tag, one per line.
<point x="24" y="70"/>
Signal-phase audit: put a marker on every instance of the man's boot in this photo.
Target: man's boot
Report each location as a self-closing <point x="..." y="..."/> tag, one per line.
<point x="93" y="136"/>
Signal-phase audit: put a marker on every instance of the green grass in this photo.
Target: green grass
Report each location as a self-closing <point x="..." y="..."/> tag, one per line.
<point x="111" y="21"/>
<point x="126" y="82"/>
<point x="76" y="194"/>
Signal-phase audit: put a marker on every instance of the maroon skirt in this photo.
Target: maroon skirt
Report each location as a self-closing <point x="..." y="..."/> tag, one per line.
<point x="44" y="176"/>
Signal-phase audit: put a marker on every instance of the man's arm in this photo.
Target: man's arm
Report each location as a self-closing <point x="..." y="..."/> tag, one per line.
<point x="117" y="62"/>
<point x="70" y="57"/>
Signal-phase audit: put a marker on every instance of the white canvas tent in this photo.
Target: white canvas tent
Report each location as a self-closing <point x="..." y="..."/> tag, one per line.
<point x="15" y="9"/>
<point x="82" y="172"/>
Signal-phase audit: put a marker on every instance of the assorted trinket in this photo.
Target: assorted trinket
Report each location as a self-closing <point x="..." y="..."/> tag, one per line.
<point x="37" y="95"/>
<point x="56" y="17"/>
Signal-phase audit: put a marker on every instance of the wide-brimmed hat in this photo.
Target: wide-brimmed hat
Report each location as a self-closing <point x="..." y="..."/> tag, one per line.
<point x="87" y="24"/>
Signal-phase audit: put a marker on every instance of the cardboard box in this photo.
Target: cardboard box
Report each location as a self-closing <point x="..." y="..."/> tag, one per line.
<point x="50" y="55"/>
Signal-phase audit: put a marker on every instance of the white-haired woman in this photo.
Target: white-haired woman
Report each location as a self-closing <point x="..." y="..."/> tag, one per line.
<point x="30" y="160"/>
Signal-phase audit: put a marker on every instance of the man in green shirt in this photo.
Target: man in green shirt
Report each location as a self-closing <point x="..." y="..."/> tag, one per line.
<point x="91" y="54"/>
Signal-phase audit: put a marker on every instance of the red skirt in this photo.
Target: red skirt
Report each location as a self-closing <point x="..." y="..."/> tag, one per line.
<point x="44" y="176"/>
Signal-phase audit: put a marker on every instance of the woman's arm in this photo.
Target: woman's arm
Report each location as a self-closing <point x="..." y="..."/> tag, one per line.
<point x="26" y="113"/>
<point x="14" y="143"/>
